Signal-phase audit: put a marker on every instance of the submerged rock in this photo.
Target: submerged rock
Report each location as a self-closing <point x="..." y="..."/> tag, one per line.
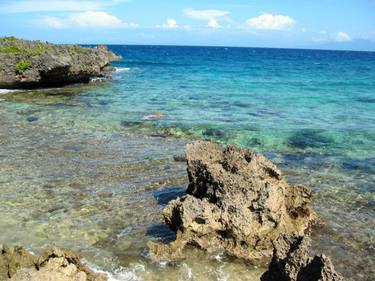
<point x="30" y="64"/>
<point x="155" y="116"/>
<point x="309" y="138"/>
<point x="32" y="118"/>
<point x="237" y="202"/>
<point x="58" y="265"/>
<point x="212" y="132"/>
<point x="291" y="262"/>
<point x="179" y="158"/>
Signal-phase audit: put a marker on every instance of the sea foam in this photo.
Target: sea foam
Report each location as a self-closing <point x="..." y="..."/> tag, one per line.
<point x="123" y="273"/>
<point x="122" y="69"/>
<point x="6" y="91"/>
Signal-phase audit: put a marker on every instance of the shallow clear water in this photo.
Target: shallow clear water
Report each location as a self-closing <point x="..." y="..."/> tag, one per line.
<point x="91" y="167"/>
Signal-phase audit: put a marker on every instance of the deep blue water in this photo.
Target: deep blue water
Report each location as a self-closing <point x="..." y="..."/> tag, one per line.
<point x="312" y="112"/>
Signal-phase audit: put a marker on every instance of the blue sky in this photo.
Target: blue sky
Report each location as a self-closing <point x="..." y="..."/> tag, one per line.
<point x="335" y="24"/>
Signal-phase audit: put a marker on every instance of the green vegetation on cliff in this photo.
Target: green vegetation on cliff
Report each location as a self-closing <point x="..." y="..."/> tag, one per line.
<point x="22" y="66"/>
<point x="34" y="63"/>
<point x="21" y="50"/>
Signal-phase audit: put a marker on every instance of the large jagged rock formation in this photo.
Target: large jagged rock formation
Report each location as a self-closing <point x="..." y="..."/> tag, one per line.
<point x="30" y="64"/>
<point x="291" y="262"/>
<point x="237" y="202"/>
<point x="56" y="265"/>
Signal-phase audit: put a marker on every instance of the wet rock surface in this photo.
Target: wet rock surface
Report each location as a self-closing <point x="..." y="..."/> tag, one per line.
<point x="17" y="264"/>
<point x="291" y="262"/>
<point x="237" y="202"/>
<point x="32" y="64"/>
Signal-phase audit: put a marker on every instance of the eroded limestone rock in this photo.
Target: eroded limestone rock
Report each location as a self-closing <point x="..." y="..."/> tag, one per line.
<point x="237" y="202"/>
<point x="291" y="262"/>
<point x="55" y="265"/>
<point x="32" y="64"/>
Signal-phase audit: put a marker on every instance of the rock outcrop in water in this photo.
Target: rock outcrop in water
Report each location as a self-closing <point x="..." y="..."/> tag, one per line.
<point x="30" y="64"/>
<point x="237" y="201"/>
<point x="19" y="265"/>
<point x="291" y="262"/>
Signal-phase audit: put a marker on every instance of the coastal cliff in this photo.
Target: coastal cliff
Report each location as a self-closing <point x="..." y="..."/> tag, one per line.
<point x="33" y="64"/>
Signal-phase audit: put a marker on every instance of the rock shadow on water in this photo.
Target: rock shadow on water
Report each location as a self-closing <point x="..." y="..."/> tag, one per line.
<point x="164" y="196"/>
<point x="310" y="138"/>
<point x="161" y="233"/>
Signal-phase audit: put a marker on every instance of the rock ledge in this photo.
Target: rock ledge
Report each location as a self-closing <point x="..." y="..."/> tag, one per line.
<point x="33" y="64"/>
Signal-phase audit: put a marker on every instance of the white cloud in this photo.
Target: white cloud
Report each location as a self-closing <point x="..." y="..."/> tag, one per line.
<point x="95" y="19"/>
<point x="210" y="15"/>
<point x="205" y="14"/>
<point x="55" y="5"/>
<point x="213" y="23"/>
<point x="271" y="22"/>
<point x="342" y="37"/>
<point x="171" y="23"/>
<point x="88" y="19"/>
<point x="53" y="22"/>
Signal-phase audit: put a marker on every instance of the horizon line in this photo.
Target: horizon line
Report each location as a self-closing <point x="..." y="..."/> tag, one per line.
<point x="202" y="46"/>
<point x="224" y="46"/>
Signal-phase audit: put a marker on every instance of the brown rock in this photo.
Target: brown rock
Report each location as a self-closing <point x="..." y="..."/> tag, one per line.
<point x="291" y="262"/>
<point x="31" y="64"/>
<point x="238" y="202"/>
<point x="58" y="265"/>
<point x="109" y="68"/>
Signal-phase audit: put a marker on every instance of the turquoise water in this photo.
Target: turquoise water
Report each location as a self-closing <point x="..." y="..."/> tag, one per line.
<point x="311" y="112"/>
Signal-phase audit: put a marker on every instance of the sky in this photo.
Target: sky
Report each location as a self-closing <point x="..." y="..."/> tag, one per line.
<point x="327" y="24"/>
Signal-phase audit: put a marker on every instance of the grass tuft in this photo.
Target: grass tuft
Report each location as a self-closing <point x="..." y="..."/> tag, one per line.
<point x="22" y="66"/>
<point x="20" y="50"/>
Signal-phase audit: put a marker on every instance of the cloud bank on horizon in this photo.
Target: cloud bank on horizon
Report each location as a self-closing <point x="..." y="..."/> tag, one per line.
<point x="349" y="24"/>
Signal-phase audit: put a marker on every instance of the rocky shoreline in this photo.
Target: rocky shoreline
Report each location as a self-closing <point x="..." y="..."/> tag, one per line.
<point x="237" y="203"/>
<point x="55" y="264"/>
<point x="34" y="64"/>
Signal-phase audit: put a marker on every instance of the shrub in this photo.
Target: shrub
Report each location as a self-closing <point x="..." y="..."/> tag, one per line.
<point x="10" y="50"/>
<point x="8" y="38"/>
<point x="22" y="66"/>
<point x="20" y="50"/>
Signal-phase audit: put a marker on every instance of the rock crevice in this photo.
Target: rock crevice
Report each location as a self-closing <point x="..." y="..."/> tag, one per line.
<point x="291" y="262"/>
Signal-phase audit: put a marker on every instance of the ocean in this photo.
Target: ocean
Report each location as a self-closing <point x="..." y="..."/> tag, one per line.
<point x="90" y="167"/>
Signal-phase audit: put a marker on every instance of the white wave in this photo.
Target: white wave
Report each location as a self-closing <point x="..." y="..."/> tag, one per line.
<point x="222" y="276"/>
<point x="219" y="257"/>
<point x="188" y="272"/>
<point x="122" y="69"/>
<point x="6" y="91"/>
<point x="123" y="274"/>
<point x="97" y="79"/>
